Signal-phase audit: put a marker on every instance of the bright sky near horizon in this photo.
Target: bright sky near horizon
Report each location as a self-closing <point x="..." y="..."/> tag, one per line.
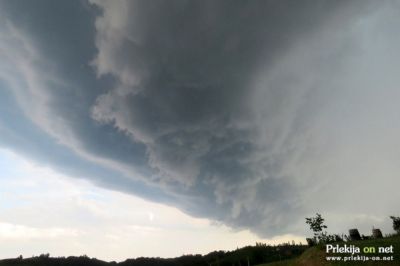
<point x="42" y="211"/>
<point x="126" y="125"/>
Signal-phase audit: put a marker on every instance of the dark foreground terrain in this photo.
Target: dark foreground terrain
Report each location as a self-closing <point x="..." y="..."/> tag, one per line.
<point x="316" y="256"/>
<point x="282" y="255"/>
<point x="250" y="255"/>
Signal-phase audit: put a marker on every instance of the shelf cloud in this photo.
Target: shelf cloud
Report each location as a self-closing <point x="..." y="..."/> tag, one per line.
<point x="251" y="114"/>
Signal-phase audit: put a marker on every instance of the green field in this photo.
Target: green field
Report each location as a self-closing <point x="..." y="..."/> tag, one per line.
<point x="317" y="255"/>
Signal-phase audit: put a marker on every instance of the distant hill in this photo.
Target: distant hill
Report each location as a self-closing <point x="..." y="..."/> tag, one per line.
<point x="250" y="255"/>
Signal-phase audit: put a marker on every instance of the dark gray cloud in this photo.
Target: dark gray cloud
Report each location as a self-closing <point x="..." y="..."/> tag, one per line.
<point x="241" y="112"/>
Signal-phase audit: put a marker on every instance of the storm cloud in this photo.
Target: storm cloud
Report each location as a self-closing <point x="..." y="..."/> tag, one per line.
<point x="253" y="114"/>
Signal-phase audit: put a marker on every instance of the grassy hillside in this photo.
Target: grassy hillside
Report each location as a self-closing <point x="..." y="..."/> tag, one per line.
<point x="316" y="256"/>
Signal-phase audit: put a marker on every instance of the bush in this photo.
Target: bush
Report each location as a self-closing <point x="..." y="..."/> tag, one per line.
<point x="311" y="241"/>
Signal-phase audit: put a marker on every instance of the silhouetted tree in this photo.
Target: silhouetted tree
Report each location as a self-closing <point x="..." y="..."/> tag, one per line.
<point x="396" y="223"/>
<point x="317" y="226"/>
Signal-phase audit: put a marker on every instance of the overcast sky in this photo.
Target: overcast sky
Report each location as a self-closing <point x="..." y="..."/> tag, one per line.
<point x="176" y="120"/>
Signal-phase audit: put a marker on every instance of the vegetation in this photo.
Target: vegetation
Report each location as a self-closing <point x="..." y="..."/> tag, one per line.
<point x="320" y="236"/>
<point x="261" y="254"/>
<point x="316" y="256"/>
<point x="396" y="223"/>
<point x="250" y="255"/>
<point x="317" y="226"/>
